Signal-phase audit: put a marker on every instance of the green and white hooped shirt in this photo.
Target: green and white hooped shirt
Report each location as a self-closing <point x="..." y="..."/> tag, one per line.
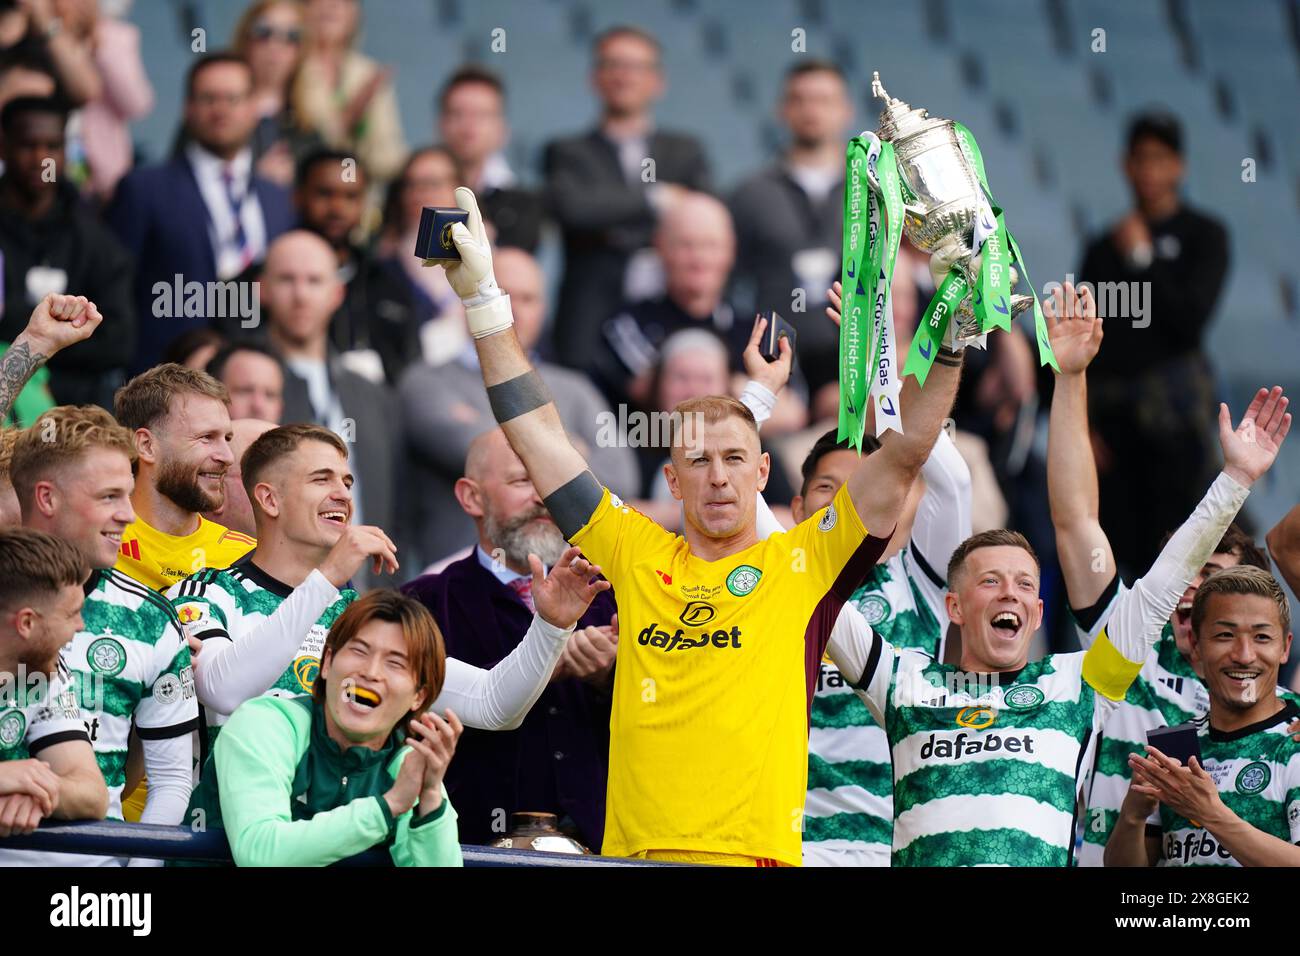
<point x="1257" y="771"/>
<point x="230" y="604"/>
<point x="129" y="666"/>
<point x="1167" y="692"/>
<point x="34" y="717"/>
<point x="849" y="808"/>
<point x="988" y="767"/>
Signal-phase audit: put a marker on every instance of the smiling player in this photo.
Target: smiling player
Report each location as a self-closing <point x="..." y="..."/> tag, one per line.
<point x="181" y="422"/>
<point x="1168" y="691"/>
<point x="366" y="724"/>
<point x="262" y="622"/>
<point x="987" y="756"/>
<point x="1239" y="804"/>
<point x="129" y="662"/>
<point x="725" y="633"/>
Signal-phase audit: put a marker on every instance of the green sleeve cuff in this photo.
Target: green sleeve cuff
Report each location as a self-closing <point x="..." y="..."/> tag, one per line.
<point x="430" y="817"/>
<point x="388" y="814"/>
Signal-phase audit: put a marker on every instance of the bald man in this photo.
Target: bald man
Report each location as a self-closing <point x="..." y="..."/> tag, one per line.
<point x="444" y="408"/>
<point x="556" y="761"/>
<point x="236" y="512"/>
<point x="697" y="244"/>
<point x="301" y="290"/>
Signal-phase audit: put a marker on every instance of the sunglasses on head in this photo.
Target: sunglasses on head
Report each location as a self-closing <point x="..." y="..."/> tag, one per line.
<point x="264" y="31"/>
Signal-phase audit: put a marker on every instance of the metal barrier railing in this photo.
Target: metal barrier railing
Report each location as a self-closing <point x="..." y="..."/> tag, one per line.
<point x="115" y="838"/>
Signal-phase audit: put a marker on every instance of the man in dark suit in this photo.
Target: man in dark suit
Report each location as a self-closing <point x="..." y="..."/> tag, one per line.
<point x="557" y="760"/>
<point x="203" y="215"/>
<point x="300" y="291"/>
<point x="790" y="215"/>
<point x="607" y="187"/>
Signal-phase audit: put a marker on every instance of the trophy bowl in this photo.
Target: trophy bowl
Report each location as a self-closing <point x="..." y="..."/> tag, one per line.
<point x="942" y="197"/>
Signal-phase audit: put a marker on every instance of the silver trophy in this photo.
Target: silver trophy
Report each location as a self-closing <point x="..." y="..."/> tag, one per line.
<point x="942" y="198"/>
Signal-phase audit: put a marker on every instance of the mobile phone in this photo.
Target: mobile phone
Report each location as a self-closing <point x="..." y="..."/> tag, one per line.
<point x="777" y="327"/>
<point x="1180" y="743"/>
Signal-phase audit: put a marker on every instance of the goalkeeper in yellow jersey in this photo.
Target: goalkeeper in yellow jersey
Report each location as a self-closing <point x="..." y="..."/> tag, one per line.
<point x="722" y="633"/>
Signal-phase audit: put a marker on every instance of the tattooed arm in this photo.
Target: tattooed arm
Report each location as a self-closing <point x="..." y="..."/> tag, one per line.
<point x="57" y="322"/>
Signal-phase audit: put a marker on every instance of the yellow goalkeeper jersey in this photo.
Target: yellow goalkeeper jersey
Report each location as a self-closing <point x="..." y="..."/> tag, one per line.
<point x="717" y="662"/>
<point x="159" y="560"/>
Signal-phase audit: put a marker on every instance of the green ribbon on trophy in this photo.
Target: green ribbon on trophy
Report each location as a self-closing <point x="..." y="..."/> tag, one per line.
<point x="991" y="299"/>
<point x="873" y="228"/>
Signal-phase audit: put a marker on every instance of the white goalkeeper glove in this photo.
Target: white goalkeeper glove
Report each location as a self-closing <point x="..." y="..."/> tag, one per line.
<point x="487" y="308"/>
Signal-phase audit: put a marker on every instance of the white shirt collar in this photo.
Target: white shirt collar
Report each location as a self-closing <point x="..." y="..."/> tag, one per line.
<point x="208" y="164"/>
<point x="498" y="568"/>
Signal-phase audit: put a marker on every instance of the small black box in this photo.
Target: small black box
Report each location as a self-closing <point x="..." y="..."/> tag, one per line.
<point x="1179" y="742"/>
<point x="434" y="238"/>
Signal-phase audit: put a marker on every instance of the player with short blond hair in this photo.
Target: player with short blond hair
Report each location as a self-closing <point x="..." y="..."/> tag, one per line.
<point x="129" y="663"/>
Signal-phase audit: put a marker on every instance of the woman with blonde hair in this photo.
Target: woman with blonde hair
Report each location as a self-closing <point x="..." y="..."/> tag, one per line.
<point x="270" y="36"/>
<point x="346" y="96"/>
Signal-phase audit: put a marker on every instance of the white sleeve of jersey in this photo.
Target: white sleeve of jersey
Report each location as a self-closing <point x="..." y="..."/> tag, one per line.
<point x="1088" y="634"/>
<point x="169" y="768"/>
<point x="760" y="401"/>
<point x="943" y="517"/>
<point x="500" y="698"/>
<point x="933" y="591"/>
<point x="56" y="717"/>
<point x="1138" y="616"/>
<point x="168" y="706"/>
<point x="231" y="670"/>
<point x="864" y="658"/>
<point x="764" y="521"/>
<point x="1291" y="799"/>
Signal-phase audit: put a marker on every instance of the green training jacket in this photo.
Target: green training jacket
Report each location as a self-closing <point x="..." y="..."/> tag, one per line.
<point x="289" y="796"/>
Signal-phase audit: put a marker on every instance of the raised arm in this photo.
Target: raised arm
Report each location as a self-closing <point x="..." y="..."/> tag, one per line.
<point x="520" y="400"/>
<point x="57" y="322"/>
<point x="1087" y="562"/>
<point x="1284" y="545"/>
<point x="500" y="698"/>
<point x="766" y="379"/>
<point x="881" y="482"/>
<point x="1135" y="624"/>
<point x="943" y="518"/>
